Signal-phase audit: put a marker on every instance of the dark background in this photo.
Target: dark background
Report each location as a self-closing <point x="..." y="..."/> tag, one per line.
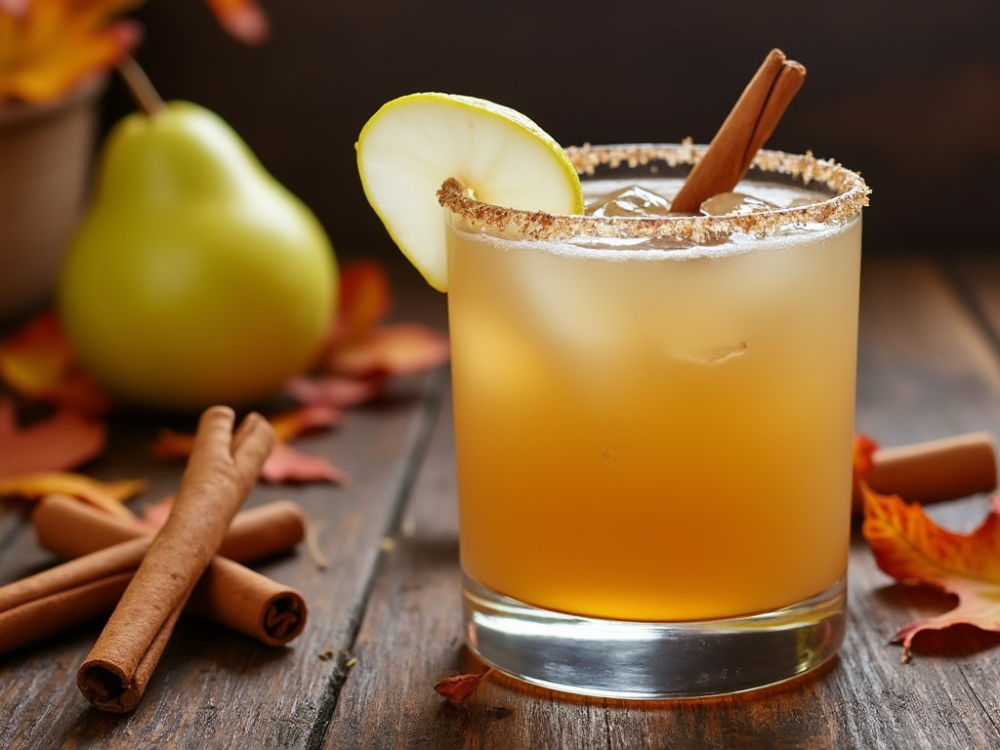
<point x="905" y="91"/>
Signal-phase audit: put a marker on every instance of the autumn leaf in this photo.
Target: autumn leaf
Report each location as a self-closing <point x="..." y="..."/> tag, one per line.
<point x="242" y="19"/>
<point x="911" y="548"/>
<point x="53" y="45"/>
<point x="400" y="349"/>
<point x="362" y="346"/>
<point x="291" y="424"/>
<point x="63" y="441"/>
<point x="333" y="391"/>
<point x="155" y="516"/>
<point x="38" y="363"/>
<point x="459" y="688"/>
<point x="108" y="496"/>
<point x="285" y="463"/>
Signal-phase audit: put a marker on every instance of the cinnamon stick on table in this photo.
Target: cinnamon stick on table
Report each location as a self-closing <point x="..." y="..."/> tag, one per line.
<point x="221" y="471"/>
<point x="68" y="595"/>
<point x="744" y="132"/>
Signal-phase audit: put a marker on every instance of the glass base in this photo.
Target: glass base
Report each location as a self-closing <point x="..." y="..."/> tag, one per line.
<point x="652" y="660"/>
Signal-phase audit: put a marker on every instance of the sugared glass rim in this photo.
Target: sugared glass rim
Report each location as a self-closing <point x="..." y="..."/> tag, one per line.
<point x="850" y="195"/>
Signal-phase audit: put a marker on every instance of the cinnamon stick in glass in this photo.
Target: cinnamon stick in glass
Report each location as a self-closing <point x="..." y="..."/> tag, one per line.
<point x="746" y="129"/>
<point x="223" y="467"/>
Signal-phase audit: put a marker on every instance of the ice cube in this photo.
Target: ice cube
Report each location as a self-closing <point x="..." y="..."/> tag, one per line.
<point x="728" y="204"/>
<point x="630" y="201"/>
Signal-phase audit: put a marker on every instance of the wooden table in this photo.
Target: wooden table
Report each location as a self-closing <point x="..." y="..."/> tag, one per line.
<point x="384" y="620"/>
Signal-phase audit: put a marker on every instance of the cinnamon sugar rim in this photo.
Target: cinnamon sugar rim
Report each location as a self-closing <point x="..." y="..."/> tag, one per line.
<point x="850" y="195"/>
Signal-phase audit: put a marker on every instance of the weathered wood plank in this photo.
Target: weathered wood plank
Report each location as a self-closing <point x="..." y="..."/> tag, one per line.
<point x="925" y="371"/>
<point x="214" y="688"/>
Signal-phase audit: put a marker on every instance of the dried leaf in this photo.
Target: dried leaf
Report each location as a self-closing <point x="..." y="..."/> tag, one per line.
<point x="291" y="424"/>
<point x="108" y="496"/>
<point x="170" y="444"/>
<point x="286" y="464"/>
<point x="400" y="349"/>
<point x="63" y="441"/>
<point x="37" y="363"/>
<point x="155" y="516"/>
<point x="365" y="300"/>
<point x="864" y="449"/>
<point x="333" y="391"/>
<point x="914" y="550"/>
<point x="243" y="20"/>
<point x="458" y="689"/>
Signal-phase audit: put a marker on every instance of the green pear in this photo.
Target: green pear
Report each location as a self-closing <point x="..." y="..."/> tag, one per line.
<point x="195" y="278"/>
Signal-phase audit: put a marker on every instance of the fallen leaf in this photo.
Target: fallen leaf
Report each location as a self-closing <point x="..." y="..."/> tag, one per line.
<point x="286" y="464"/>
<point x="171" y="444"/>
<point x="63" y="441"/>
<point x="108" y="496"/>
<point x="333" y="391"/>
<point x="400" y="349"/>
<point x="458" y="689"/>
<point x="291" y="424"/>
<point x="914" y="550"/>
<point x="361" y="346"/>
<point x="365" y="300"/>
<point x="38" y="363"/>
<point x="155" y="516"/>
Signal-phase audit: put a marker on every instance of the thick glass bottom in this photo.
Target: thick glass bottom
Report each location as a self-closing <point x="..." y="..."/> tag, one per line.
<point x="652" y="660"/>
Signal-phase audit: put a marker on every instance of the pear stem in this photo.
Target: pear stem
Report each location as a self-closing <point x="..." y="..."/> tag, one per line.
<point x="139" y="86"/>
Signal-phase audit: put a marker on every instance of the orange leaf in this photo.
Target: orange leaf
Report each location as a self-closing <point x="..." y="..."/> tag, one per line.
<point x="330" y="390"/>
<point x="37" y="362"/>
<point x="170" y="444"/>
<point x="63" y="441"/>
<point x="54" y="46"/>
<point x="286" y="464"/>
<point x="243" y="20"/>
<point x="400" y="349"/>
<point x="864" y="449"/>
<point x="293" y="423"/>
<point x="911" y="548"/>
<point x="365" y="300"/>
<point x="108" y="496"/>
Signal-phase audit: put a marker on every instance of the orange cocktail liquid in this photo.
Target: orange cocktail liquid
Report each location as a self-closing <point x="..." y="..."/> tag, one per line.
<point x="658" y="435"/>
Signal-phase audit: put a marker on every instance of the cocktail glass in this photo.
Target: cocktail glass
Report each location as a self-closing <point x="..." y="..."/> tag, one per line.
<point x="654" y="423"/>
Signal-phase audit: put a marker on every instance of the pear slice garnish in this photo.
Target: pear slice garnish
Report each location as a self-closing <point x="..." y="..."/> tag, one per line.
<point x="413" y="144"/>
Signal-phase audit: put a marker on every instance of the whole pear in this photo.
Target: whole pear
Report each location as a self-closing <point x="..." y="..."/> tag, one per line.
<point x="195" y="278"/>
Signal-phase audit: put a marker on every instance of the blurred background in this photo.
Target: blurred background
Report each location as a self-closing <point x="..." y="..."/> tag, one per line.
<point x="905" y="91"/>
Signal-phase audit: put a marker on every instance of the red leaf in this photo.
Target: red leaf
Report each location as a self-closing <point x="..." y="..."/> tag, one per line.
<point x="400" y="349"/>
<point x="63" y="441"/>
<point x="333" y="391"/>
<point x="286" y="464"/>
<point x="155" y="516"/>
<point x="458" y="689"/>
<point x="911" y="548"/>
<point x="243" y="20"/>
